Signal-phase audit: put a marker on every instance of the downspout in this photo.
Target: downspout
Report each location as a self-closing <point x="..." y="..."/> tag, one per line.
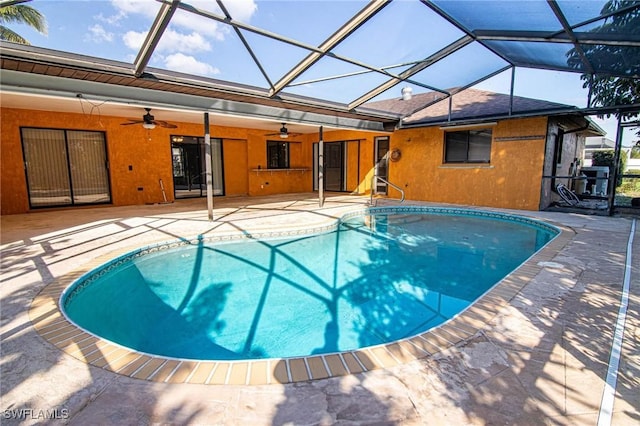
<point x="575" y="154"/>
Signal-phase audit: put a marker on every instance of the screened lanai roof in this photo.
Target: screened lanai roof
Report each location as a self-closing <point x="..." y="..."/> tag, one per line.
<point x="336" y="56"/>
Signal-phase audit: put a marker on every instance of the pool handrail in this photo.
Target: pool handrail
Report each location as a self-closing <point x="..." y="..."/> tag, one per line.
<point x="375" y="180"/>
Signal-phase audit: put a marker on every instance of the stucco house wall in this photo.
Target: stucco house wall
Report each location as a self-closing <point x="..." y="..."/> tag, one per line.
<point x="510" y="180"/>
<point x="139" y="158"/>
<point x="522" y="152"/>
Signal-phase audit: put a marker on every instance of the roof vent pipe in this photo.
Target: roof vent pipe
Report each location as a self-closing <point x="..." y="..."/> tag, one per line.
<point x="406" y="93"/>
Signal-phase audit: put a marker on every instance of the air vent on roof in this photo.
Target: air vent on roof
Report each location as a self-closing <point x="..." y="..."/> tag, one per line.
<point x="406" y="93"/>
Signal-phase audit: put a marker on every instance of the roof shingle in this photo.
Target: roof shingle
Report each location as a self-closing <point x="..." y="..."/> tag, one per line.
<point x="433" y="107"/>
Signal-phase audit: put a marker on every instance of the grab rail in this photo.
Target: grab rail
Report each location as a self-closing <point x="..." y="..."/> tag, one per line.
<point x="374" y="182"/>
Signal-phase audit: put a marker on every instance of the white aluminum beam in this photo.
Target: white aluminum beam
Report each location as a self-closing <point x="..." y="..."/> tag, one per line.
<point x="353" y="24"/>
<point x="153" y="36"/>
<point x="446" y="51"/>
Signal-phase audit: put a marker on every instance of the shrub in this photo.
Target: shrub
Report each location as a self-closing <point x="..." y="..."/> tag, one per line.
<point x="630" y="185"/>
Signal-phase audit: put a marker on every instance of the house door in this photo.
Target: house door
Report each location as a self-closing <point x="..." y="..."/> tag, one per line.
<point x="382" y="163"/>
<point x="334" y="166"/>
<point x="65" y="167"/>
<point x="188" y="157"/>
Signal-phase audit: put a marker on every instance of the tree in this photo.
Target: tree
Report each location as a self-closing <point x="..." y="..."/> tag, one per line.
<point x="23" y="15"/>
<point x="620" y="61"/>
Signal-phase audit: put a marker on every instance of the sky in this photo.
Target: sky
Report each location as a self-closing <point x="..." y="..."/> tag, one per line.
<point x="115" y="29"/>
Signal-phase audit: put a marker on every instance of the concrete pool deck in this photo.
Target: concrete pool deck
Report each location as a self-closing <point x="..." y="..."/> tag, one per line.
<point x="539" y="358"/>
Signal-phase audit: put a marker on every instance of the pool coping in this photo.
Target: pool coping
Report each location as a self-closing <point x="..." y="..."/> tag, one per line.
<point x="53" y="326"/>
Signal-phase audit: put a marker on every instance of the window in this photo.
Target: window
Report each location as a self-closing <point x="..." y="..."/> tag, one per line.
<point x="65" y="167"/>
<point x="277" y="155"/>
<point x="469" y="146"/>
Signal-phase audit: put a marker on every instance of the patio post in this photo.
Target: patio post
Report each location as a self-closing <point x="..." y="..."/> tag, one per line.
<point x="207" y="167"/>
<point x="513" y="82"/>
<point x="320" y="169"/>
<point x="613" y="174"/>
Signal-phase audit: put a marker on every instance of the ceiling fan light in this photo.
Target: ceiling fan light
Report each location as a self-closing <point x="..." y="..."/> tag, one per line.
<point x="149" y="126"/>
<point x="284" y="133"/>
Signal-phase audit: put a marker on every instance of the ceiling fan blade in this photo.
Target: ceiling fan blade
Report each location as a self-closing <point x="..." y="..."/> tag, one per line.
<point x="290" y="134"/>
<point x="132" y="122"/>
<point x="165" y="124"/>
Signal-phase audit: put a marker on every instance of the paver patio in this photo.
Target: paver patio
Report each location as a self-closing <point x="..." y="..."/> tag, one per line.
<point x="541" y="359"/>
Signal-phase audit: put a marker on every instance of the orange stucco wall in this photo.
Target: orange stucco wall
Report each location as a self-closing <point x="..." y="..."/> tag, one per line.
<point x="263" y="181"/>
<point x="13" y="190"/>
<point x="236" y="180"/>
<point x="139" y="158"/>
<point x="511" y="180"/>
<point x="354" y="168"/>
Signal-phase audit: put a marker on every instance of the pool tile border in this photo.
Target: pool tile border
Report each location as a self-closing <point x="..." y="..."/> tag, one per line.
<point x="48" y="320"/>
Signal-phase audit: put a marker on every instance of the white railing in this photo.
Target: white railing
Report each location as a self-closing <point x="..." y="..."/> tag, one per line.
<point x="374" y="184"/>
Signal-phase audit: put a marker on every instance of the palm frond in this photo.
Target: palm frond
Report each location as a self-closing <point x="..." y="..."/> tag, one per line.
<point x="8" y="35"/>
<point x="24" y="15"/>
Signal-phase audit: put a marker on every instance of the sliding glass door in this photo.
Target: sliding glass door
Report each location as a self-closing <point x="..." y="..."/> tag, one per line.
<point x="334" y="172"/>
<point x="189" y="167"/>
<point x="65" y="167"/>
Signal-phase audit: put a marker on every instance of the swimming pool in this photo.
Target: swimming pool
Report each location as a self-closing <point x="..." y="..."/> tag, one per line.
<point x="379" y="276"/>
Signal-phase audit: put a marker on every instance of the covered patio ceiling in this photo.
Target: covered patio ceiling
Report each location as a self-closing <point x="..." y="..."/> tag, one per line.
<point x="323" y="68"/>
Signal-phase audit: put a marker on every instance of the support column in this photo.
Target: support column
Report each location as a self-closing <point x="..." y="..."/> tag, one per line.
<point x="513" y="82"/>
<point x="613" y="175"/>
<point x="321" y="169"/>
<point x="207" y="167"/>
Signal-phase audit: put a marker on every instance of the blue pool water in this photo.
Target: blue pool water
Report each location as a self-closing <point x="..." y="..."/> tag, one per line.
<point x="375" y="279"/>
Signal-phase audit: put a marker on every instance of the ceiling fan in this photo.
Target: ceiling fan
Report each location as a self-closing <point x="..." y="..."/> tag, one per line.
<point x="149" y="122"/>
<point x="284" y="132"/>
